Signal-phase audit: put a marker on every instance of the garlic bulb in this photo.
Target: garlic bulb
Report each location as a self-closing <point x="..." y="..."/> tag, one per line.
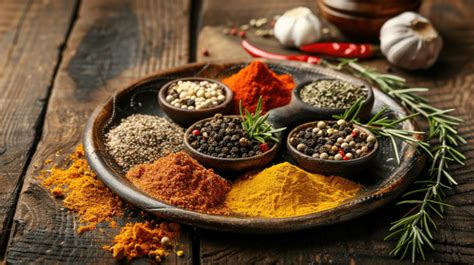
<point x="296" y="27"/>
<point x="410" y="41"/>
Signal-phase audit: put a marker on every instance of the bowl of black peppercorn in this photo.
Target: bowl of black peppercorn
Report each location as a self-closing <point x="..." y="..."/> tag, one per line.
<point x="332" y="147"/>
<point x="221" y="143"/>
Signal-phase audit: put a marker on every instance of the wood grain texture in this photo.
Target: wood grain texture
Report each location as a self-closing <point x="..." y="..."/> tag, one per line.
<point x="112" y="42"/>
<point x="361" y="241"/>
<point x="30" y="46"/>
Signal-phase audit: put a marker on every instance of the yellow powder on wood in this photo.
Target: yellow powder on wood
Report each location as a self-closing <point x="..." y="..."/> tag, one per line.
<point x="83" y="192"/>
<point x="285" y="190"/>
<point x="137" y="240"/>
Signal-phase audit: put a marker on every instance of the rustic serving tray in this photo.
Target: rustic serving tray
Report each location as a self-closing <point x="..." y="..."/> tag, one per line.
<point x="383" y="182"/>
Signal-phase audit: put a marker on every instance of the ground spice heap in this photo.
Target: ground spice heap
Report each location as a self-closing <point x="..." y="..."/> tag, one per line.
<point x="137" y="240"/>
<point x="180" y="180"/>
<point x="142" y="139"/>
<point x="83" y="192"/>
<point x="285" y="190"/>
<point x="257" y="80"/>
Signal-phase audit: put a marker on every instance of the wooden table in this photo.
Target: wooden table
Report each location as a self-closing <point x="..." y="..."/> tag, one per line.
<point x="59" y="59"/>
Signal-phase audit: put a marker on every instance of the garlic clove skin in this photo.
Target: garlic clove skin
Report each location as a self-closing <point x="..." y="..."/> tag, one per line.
<point x="296" y="27"/>
<point x="410" y="41"/>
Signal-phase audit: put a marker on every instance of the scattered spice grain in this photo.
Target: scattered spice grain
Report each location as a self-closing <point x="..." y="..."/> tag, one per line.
<point x="142" y="139"/>
<point x="86" y="195"/>
<point x="180" y="180"/>
<point x="137" y="240"/>
<point x="257" y="80"/>
<point x="83" y="192"/>
<point x="285" y="190"/>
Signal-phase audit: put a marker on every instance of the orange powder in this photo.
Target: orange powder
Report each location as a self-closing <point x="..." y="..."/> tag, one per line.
<point x="83" y="192"/>
<point x="257" y="80"/>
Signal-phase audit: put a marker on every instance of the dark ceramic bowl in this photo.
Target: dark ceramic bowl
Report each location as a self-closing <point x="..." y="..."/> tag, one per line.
<point x="186" y="117"/>
<point x="229" y="164"/>
<point x="298" y="112"/>
<point x="330" y="167"/>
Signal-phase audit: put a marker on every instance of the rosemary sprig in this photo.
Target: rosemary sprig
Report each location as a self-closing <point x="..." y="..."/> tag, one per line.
<point x="413" y="230"/>
<point x="381" y="125"/>
<point x="257" y="126"/>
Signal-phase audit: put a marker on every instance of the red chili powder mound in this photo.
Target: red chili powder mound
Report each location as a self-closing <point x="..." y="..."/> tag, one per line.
<point x="257" y="80"/>
<point x="180" y="180"/>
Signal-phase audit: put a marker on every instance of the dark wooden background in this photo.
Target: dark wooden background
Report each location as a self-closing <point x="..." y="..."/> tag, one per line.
<point x="60" y="58"/>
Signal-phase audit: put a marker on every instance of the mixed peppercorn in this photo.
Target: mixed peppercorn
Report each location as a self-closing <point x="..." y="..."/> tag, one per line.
<point x="195" y="95"/>
<point x="333" y="140"/>
<point x="224" y="137"/>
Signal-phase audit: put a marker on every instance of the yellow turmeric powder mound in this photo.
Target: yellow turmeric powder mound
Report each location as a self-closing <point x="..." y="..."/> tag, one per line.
<point x="83" y="192"/>
<point x="137" y="240"/>
<point x="285" y="190"/>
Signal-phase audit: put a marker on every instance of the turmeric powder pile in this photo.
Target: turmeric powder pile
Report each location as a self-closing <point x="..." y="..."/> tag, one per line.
<point x="137" y="240"/>
<point x="285" y="190"/>
<point x="83" y="192"/>
<point x="86" y="195"/>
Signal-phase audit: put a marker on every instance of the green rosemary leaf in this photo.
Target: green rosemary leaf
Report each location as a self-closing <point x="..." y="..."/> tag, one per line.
<point x="414" y="191"/>
<point x="426" y="239"/>
<point x="440" y="203"/>
<point x="442" y="127"/>
<point x="410" y="202"/>
<point x="256" y="126"/>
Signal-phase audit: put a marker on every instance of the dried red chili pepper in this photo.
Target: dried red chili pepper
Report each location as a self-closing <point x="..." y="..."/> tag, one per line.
<point x="257" y="52"/>
<point x="341" y="50"/>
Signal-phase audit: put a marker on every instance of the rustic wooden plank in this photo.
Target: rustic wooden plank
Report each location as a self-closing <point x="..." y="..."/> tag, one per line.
<point x="31" y="36"/>
<point x="361" y="241"/>
<point x="112" y="42"/>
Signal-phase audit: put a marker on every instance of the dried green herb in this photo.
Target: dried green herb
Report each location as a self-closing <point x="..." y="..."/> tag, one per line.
<point x="332" y="94"/>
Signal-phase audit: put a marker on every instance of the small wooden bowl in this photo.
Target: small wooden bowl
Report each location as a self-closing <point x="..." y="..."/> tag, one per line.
<point x="186" y="117"/>
<point x="330" y="167"/>
<point x="229" y="164"/>
<point x="298" y="111"/>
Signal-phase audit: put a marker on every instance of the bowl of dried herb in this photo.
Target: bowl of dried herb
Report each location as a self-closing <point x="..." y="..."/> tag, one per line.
<point x="321" y="99"/>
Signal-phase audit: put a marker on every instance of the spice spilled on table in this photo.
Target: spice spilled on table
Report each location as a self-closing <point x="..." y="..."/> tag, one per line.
<point x="83" y="193"/>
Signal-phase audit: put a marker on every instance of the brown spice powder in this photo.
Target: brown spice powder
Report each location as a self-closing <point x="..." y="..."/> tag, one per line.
<point x="180" y="180"/>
